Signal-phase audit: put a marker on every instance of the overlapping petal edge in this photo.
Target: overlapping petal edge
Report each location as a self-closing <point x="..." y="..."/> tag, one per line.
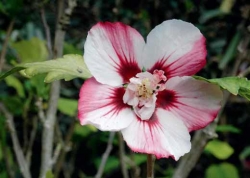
<point x="114" y="53"/>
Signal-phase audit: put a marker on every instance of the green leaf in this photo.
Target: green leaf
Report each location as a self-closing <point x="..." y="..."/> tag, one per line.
<point x="207" y="15"/>
<point x="138" y="159"/>
<point x="226" y="6"/>
<point x="245" y="153"/>
<point x="31" y="50"/>
<point x="3" y="174"/>
<point x="67" y="106"/>
<point x="227" y="128"/>
<point x="230" y="51"/>
<point x="14" y="104"/>
<point x="219" y="149"/>
<point x="235" y="85"/>
<point x="217" y="45"/>
<point x="84" y="131"/>
<point x="111" y="164"/>
<point x="12" y="7"/>
<point x="41" y="88"/>
<point x="67" y="68"/>
<point x="11" y="71"/>
<point x="2" y="8"/>
<point x="2" y="136"/>
<point x="49" y="174"/>
<point x="15" y="83"/>
<point x="70" y="49"/>
<point x="189" y="5"/>
<point x="223" y="170"/>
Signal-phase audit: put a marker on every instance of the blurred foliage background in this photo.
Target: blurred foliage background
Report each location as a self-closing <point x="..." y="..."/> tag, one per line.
<point x="79" y="150"/>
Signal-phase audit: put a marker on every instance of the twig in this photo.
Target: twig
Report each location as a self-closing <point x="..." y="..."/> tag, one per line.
<point x="245" y="72"/>
<point x="25" y="134"/>
<point x="17" y="148"/>
<point x="6" y="158"/>
<point x="243" y="49"/>
<point x="189" y="160"/>
<point x="58" y="134"/>
<point x="26" y="124"/>
<point x="105" y="155"/>
<point x="56" y="152"/>
<point x="136" y="169"/>
<point x="41" y="114"/>
<point x="66" y="172"/>
<point x="63" y="22"/>
<point x="31" y="141"/>
<point x="61" y="158"/>
<point x="49" y="124"/>
<point x="5" y="44"/>
<point x="48" y="130"/>
<point x="150" y="165"/>
<point x="47" y="32"/>
<point x="71" y="162"/>
<point x="122" y="156"/>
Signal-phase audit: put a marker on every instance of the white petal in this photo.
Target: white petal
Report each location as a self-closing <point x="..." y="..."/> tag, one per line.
<point x="196" y="102"/>
<point x="145" y="75"/>
<point x="145" y="113"/>
<point x="130" y="98"/>
<point x="164" y="135"/>
<point x="103" y="107"/>
<point x="176" y="47"/>
<point x="112" y="52"/>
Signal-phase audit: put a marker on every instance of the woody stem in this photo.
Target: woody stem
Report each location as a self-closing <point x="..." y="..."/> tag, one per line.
<point x="150" y="166"/>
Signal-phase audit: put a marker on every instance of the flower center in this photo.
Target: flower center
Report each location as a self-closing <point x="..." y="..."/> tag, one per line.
<point x="142" y="90"/>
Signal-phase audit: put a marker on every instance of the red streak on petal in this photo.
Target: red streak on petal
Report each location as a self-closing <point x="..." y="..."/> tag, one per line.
<point x="159" y="65"/>
<point x="188" y="64"/>
<point x="166" y="99"/>
<point x="128" y="70"/>
<point x="117" y="101"/>
<point x="89" y="93"/>
<point x="120" y="37"/>
<point x="150" y="133"/>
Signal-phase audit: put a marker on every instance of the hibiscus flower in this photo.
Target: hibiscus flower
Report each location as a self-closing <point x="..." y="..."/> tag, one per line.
<point x="145" y="89"/>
